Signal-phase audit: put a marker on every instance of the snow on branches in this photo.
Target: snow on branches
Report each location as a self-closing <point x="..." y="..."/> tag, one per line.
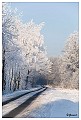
<point x="69" y="68"/>
<point x="23" y="51"/>
<point x="65" y="68"/>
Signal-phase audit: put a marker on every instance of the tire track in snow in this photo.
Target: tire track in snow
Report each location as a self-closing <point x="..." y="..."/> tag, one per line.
<point x="21" y="107"/>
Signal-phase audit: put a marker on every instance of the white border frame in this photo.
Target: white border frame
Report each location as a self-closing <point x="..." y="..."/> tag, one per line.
<point x="1" y="54"/>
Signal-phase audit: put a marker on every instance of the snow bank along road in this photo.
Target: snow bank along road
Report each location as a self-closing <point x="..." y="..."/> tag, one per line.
<point x="53" y="103"/>
<point x="13" y="96"/>
<point x="13" y="106"/>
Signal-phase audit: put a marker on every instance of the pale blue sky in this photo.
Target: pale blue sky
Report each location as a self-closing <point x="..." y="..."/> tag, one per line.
<point x="60" y="19"/>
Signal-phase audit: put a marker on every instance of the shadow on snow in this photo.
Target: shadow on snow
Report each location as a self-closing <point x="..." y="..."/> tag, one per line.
<point x="57" y="109"/>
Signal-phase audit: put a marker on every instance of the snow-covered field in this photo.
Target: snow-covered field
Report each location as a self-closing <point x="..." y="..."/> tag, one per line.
<point x="54" y="103"/>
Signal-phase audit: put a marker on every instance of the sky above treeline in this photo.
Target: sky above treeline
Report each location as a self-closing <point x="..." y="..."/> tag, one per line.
<point x="61" y="19"/>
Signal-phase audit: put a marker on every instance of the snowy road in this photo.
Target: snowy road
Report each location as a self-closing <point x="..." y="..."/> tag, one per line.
<point x="12" y="108"/>
<point x="53" y="103"/>
<point x="13" y="96"/>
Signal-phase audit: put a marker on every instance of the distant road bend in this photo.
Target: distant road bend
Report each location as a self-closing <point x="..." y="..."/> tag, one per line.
<point x="14" y="106"/>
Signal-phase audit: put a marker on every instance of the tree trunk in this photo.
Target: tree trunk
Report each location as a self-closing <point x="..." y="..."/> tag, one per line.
<point x="3" y="71"/>
<point x="27" y="78"/>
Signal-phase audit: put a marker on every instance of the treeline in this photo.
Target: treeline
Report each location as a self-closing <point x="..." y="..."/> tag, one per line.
<point x="24" y="56"/>
<point x="65" y="68"/>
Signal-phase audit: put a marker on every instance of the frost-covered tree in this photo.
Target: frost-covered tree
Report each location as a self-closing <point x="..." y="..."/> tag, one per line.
<point x="54" y="76"/>
<point x="9" y="33"/>
<point x="65" y="68"/>
<point x="33" y="51"/>
<point x="12" y="59"/>
<point x="24" y="53"/>
<point x="69" y="62"/>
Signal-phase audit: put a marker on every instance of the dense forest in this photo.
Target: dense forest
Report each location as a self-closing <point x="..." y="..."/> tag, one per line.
<point x="65" y="68"/>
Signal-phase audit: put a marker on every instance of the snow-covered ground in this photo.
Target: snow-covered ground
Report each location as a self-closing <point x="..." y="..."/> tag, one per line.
<point x="14" y="104"/>
<point x="17" y="93"/>
<point x="54" y="103"/>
